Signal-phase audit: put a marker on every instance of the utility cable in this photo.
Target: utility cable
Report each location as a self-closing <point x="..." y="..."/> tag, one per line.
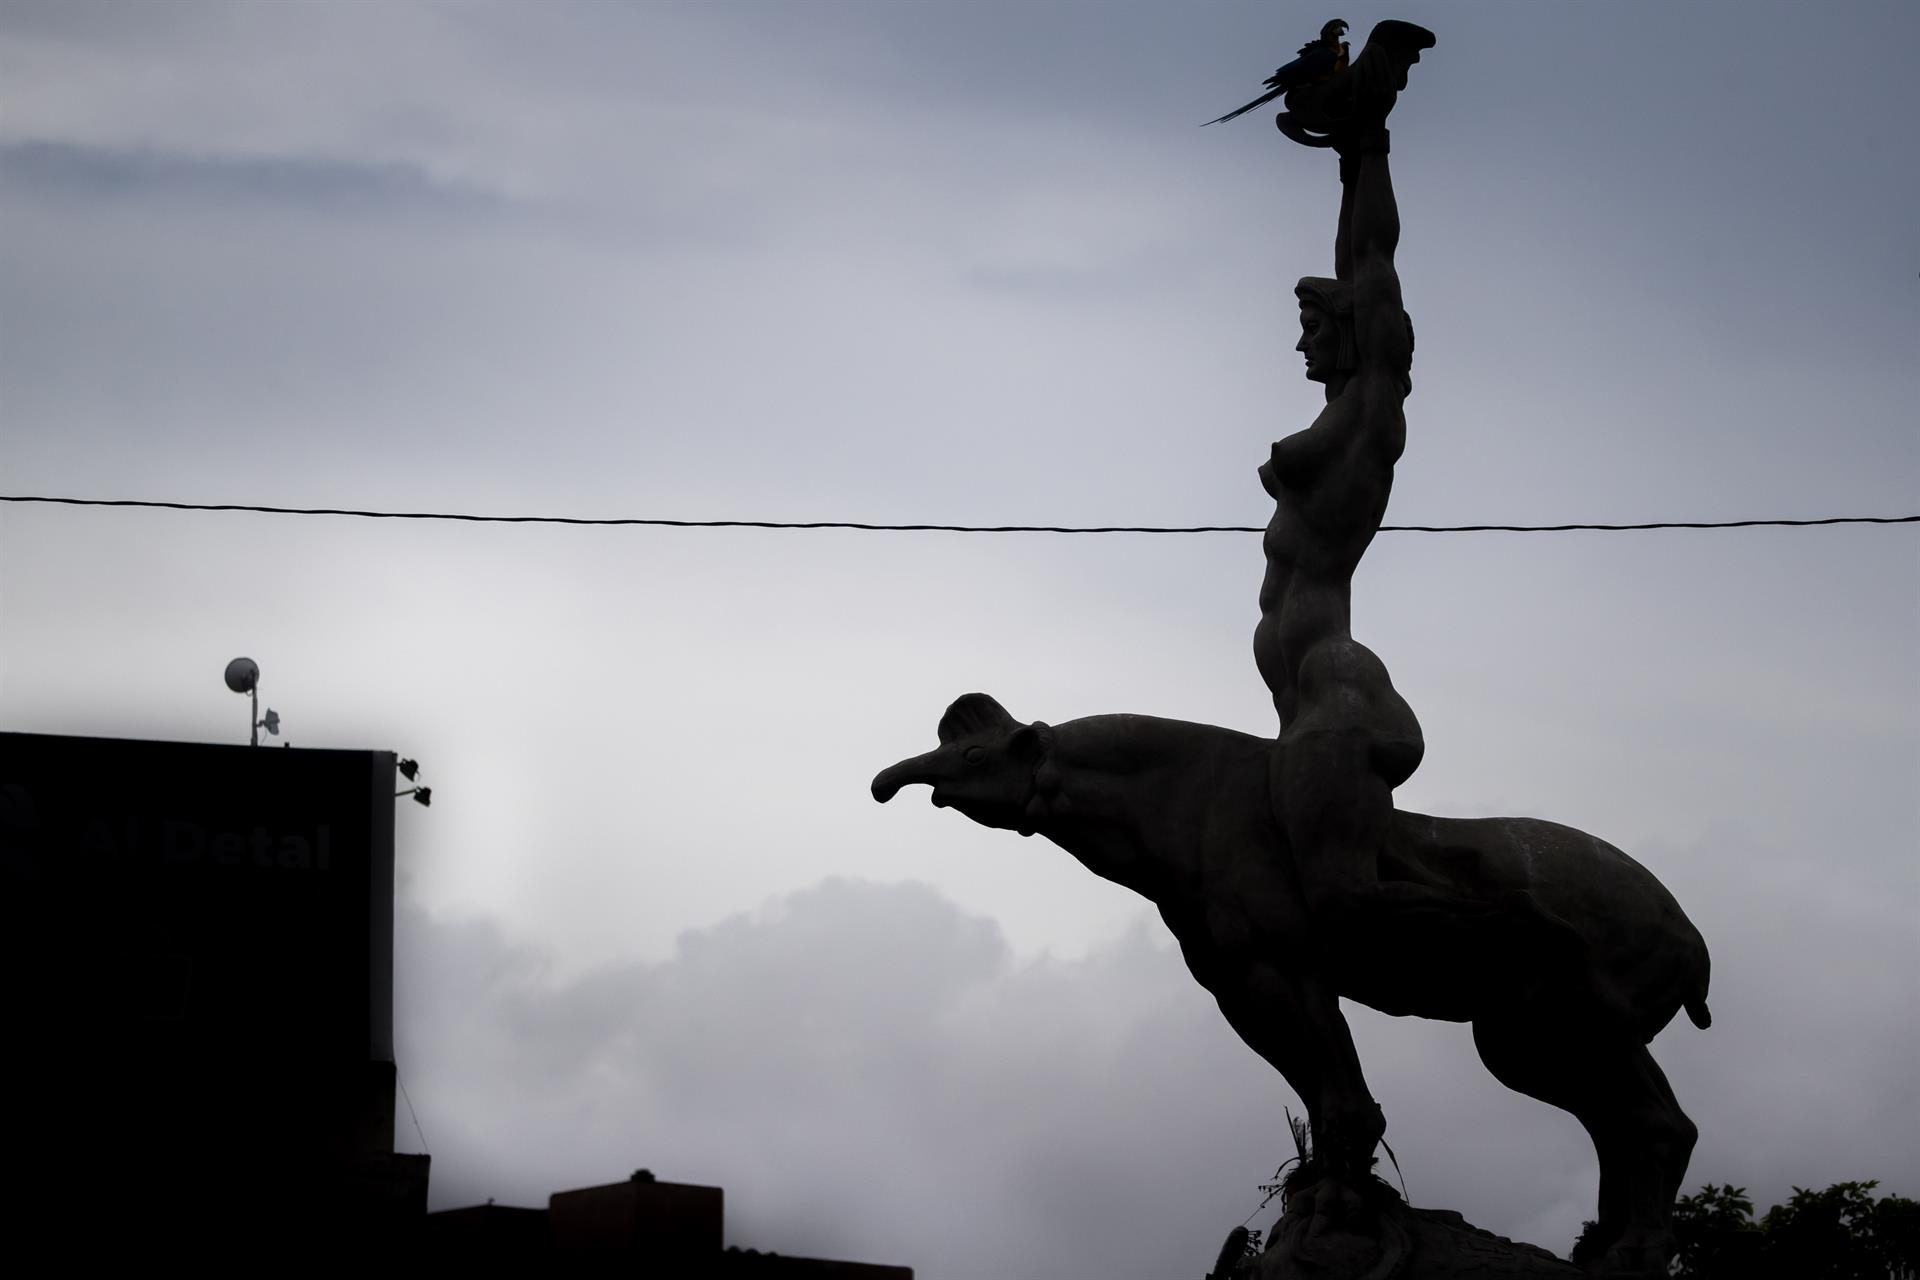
<point x="421" y="1133"/>
<point x="929" y="528"/>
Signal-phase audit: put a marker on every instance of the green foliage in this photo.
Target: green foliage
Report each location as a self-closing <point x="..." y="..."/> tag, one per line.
<point x="1588" y="1245"/>
<point x="1715" y="1233"/>
<point x="1841" y="1233"/>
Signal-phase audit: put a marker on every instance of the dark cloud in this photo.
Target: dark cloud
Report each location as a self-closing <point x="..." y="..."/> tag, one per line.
<point x="322" y="187"/>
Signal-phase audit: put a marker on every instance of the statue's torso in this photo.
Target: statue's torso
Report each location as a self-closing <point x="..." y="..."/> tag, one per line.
<point x="1330" y="485"/>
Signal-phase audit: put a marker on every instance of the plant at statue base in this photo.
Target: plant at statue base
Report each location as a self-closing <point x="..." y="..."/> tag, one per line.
<point x="1301" y="1170"/>
<point x="1297" y="1174"/>
<point x="1244" y="1243"/>
<point x="1285" y="1184"/>
<point x="1306" y="1170"/>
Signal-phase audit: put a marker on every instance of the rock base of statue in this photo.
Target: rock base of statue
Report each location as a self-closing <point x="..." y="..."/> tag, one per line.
<point x="1330" y="1231"/>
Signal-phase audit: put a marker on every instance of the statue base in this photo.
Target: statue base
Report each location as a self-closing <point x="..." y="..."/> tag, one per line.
<point x="1331" y="1231"/>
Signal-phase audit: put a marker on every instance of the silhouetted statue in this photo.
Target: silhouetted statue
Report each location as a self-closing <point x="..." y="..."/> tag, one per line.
<point x="1283" y="867"/>
<point x="1181" y="813"/>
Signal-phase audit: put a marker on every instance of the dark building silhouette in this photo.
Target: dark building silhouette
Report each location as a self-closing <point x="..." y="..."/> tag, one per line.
<point x="641" y="1227"/>
<point x="196" y="947"/>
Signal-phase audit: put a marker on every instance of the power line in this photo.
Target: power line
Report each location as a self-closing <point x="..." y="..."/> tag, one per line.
<point x="410" y="1111"/>
<point x="930" y="528"/>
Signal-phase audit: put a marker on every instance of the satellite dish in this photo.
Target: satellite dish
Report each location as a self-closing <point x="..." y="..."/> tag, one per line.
<point x="243" y="675"/>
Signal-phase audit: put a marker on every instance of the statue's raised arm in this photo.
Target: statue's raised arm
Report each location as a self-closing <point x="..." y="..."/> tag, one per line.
<point x="1348" y="113"/>
<point x="1355" y="330"/>
<point x="1370" y="229"/>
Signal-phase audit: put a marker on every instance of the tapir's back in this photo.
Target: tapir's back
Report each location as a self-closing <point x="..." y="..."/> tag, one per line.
<point x="1637" y="936"/>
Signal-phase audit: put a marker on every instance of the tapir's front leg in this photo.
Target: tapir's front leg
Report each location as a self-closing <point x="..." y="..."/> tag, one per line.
<point x="1295" y="1023"/>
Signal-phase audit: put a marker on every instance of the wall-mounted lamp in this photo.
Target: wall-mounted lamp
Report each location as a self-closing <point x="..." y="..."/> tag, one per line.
<point x="410" y="770"/>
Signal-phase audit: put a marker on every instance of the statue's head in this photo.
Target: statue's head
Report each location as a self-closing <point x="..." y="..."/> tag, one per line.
<point x="1326" y="327"/>
<point x="988" y="766"/>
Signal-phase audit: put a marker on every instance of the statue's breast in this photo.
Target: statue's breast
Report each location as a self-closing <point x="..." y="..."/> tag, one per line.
<point x="1296" y="461"/>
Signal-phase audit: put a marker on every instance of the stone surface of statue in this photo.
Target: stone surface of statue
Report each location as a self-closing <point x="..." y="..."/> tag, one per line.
<point x="1283" y="867"/>
<point x="1182" y="814"/>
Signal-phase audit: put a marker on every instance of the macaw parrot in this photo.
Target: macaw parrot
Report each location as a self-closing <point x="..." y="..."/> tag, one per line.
<point x="1317" y="61"/>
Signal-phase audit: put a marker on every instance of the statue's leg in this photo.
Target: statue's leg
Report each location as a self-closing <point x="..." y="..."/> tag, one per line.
<point x="1335" y="810"/>
<point x="1669" y="1136"/>
<point x="1352" y="740"/>
<point x="1620" y="1096"/>
<point x="1530" y="1060"/>
<point x="1295" y="1023"/>
<point x="1654" y="1140"/>
<point x="1331" y="780"/>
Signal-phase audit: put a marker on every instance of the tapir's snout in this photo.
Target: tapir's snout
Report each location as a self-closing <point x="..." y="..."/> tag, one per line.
<point x="927" y="768"/>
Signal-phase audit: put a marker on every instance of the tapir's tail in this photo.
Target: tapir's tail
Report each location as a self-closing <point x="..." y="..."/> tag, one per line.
<point x="1696" y="1003"/>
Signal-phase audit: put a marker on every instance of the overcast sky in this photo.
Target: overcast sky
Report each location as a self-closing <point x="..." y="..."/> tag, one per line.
<point x="973" y="262"/>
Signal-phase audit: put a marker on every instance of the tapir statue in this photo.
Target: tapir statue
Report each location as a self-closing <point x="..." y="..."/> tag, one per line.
<point x="1581" y="959"/>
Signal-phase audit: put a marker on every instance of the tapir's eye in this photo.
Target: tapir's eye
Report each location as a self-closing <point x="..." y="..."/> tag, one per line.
<point x="974" y="755"/>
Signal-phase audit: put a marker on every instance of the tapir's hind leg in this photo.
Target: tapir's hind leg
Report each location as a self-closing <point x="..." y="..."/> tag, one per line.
<point x="1679" y="1130"/>
<point x="1612" y="1085"/>
<point x="1660" y="1141"/>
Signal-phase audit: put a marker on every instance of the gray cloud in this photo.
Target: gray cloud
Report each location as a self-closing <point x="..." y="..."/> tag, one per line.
<point x="871" y="1073"/>
<point x="318" y="187"/>
<point x="867" y="1071"/>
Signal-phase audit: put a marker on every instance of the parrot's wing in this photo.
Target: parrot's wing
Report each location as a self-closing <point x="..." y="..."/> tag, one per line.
<point x="1285" y="75"/>
<point x="1314" y="62"/>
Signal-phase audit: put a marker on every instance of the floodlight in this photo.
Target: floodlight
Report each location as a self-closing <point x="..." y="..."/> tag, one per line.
<point x="243" y="675"/>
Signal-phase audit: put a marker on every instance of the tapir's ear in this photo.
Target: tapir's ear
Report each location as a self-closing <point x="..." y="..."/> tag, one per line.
<point x="1029" y="741"/>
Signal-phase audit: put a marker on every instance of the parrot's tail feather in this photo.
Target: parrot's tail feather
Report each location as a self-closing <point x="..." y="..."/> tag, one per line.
<point x="1237" y="112"/>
